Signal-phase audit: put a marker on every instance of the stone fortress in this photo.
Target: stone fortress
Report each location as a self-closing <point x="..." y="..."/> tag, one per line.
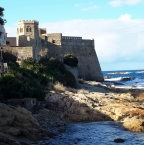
<point x="32" y="41"/>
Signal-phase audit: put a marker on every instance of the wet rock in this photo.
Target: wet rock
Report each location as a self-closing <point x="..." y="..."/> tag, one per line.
<point x="119" y="140"/>
<point x="126" y="79"/>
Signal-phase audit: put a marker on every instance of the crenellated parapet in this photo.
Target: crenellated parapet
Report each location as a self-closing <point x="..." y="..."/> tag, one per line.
<point x="28" y="21"/>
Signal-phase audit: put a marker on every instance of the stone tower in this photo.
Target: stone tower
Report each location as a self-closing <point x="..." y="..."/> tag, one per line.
<point x="28" y="35"/>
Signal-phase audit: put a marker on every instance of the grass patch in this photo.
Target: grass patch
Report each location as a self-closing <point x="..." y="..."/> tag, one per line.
<point x="59" y="87"/>
<point x="82" y="91"/>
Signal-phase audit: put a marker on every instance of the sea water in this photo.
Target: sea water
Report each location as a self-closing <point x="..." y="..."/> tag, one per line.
<point x="136" y="78"/>
<point x="96" y="133"/>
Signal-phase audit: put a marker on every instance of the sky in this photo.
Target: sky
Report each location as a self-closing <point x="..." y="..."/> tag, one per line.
<point x="117" y="26"/>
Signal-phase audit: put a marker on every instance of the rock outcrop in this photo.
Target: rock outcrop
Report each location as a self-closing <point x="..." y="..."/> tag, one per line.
<point x="97" y="103"/>
<point x="17" y="126"/>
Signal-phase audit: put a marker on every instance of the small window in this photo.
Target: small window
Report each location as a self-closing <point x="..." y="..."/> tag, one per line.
<point x="28" y="29"/>
<point x="21" y="30"/>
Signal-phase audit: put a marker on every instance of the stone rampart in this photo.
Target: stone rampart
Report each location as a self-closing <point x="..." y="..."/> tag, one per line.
<point x="68" y="40"/>
<point x="88" y="66"/>
<point x="19" y="52"/>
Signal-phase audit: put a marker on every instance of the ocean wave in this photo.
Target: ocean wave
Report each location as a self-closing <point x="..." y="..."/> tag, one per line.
<point x="115" y="73"/>
<point x="140" y="72"/>
<point x="120" y="79"/>
<point x="114" y="79"/>
<point x="136" y="83"/>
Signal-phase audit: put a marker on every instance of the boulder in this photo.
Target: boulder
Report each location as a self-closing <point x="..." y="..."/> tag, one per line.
<point x="135" y="123"/>
<point x="119" y="140"/>
<point x="17" y="122"/>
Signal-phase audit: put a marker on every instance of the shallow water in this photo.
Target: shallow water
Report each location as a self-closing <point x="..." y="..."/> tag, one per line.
<point x="96" y="133"/>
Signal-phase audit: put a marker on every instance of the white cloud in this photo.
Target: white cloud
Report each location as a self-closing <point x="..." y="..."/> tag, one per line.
<point x="117" y="3"/>
<point x="90" y="8"/>
<point x="76" y="5"/>
<point x="132" y="2"/>
<point x="125" y="17"/>
<point x="116" y="41"/>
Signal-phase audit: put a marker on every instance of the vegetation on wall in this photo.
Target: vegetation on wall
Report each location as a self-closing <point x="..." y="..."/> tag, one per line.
<point x="31" y="79"/>
<point x="2" y="21"/>
<point x="70" y="60"/>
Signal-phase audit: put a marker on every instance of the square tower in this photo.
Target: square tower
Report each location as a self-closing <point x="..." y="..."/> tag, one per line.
<point x="27" y="33"/>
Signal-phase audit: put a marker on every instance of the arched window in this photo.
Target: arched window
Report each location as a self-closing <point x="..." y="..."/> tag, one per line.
<point x="28" y="29"/>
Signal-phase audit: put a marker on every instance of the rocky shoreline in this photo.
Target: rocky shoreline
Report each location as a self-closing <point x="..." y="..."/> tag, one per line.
<point x="97" y="102"/>
<point x="92" y="101"/>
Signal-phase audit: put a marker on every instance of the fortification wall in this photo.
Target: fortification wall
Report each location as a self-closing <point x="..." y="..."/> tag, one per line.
<point x="88" y="66"/>
<point x="88" y="42"/>
<point x="68" y="40"/>
<point x="19" y="52"/>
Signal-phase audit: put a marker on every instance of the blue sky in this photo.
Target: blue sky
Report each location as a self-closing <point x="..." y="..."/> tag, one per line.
<point x="116" y="25"/>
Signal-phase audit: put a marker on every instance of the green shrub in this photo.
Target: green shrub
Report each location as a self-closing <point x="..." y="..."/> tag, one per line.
<point x="28" y="63"/>
<point x="31" y="79"/>
<point x="44" y="61"/>
<point x="55" y="64"/>
<point x="70" y="79"/>
<point x="70" y="60"/>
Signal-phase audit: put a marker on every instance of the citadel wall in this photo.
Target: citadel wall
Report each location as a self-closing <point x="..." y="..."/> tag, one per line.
<point x="88" y="66"/>
<point x="19" y="53"/>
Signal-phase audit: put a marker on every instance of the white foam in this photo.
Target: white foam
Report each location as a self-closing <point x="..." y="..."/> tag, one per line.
<point x="119" y="73"/>
<point x="136" y="83"/>
<point x="139" y="72"/>
<point x="114" y="79"/>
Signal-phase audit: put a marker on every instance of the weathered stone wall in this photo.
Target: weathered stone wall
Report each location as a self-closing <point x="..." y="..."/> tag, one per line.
<point x="19" y="52"/>
<point x="88" y="66"/>
<point x="83" y="49"/>
<point x="68" y="40"/>
<point x="54" y="38"/>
